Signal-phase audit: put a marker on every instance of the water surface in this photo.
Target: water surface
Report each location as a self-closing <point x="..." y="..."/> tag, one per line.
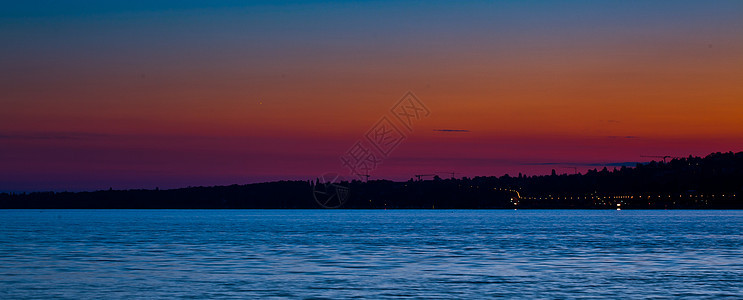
<point x="370" y="253"/>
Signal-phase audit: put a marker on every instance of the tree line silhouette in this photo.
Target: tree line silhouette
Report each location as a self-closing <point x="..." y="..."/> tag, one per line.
<point x="714" y="181"/>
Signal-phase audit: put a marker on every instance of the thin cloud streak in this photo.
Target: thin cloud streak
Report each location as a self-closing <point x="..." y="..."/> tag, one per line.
<point x="452" y="130"/>
<point x="586" y="164"/>
<point x="51" y="135"/>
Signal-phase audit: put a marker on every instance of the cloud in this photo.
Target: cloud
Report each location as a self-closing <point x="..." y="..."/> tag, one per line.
<point x="586" y="164"/>
<point x="49" y="135"/>
<point x="623" y="137"/>
<point x="452" y="130"/>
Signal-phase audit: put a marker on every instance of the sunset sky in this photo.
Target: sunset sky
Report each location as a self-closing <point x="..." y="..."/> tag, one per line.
<point x="131" y="94"/>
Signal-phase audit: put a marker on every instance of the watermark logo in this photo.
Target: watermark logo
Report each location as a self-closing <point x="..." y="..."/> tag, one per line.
<point x="385" y="136"/>
<point x="330" y="190"/>
<point x="409" y="110"/>
<point x="367" y="153"/>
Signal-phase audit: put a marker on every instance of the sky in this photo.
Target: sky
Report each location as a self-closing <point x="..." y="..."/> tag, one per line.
<point x="135" y="94"/>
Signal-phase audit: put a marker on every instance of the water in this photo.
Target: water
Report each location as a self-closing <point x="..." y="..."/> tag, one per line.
<point x="82" y="254"/>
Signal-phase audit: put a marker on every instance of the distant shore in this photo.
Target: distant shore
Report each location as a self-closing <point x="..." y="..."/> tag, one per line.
<point x="711" y="182"/>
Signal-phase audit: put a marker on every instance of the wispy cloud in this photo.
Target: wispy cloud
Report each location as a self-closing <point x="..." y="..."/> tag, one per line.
<point x="50" y="135"/>
<point x="623" y="137"/>
<point x="452" y="130"/>
<point x="586" y="164"/>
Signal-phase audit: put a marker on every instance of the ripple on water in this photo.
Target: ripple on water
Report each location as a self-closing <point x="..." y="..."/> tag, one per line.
<point x="372" y="254"/>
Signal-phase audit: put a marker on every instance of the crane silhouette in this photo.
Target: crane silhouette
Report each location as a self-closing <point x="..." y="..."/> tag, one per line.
<point x="423" y="175"/>
<point x="664" y="157"/>
<point x="452" y="173"/>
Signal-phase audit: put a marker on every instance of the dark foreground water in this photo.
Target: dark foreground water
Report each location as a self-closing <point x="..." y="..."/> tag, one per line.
<point x="80" y="254"/>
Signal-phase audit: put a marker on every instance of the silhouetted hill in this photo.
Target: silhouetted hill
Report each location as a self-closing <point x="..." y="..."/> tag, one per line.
<point x="715" y="181"/>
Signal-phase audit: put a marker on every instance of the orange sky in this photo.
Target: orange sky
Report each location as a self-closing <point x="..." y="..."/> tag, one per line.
<point x="178" y="96"/>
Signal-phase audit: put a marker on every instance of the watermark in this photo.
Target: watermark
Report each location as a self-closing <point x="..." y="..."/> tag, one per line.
<point x="368" y="152"/>
<point x="330" y="190"/>
<point x="409" y="110"/>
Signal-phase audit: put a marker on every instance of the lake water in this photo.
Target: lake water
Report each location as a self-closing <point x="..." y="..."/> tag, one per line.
<point x="80" y="254"/>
